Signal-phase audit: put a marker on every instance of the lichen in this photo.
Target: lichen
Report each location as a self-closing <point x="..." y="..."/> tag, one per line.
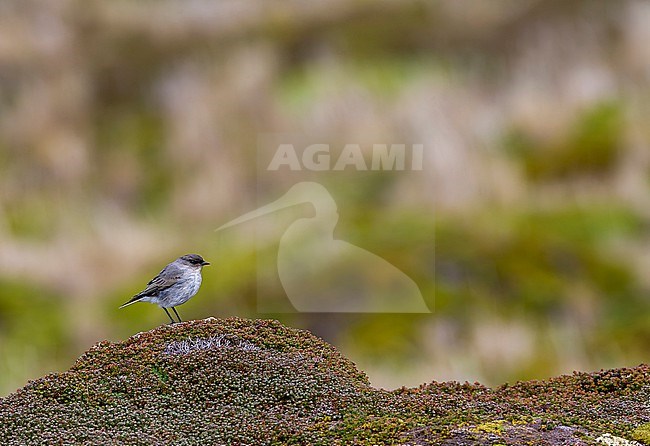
<point x="642" y="433"/>
<point x="186" y="346"/>
<point x="612" y="440"/>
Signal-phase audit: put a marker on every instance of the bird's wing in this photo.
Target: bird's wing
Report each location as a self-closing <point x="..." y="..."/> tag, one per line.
<point x="165" y="279"/>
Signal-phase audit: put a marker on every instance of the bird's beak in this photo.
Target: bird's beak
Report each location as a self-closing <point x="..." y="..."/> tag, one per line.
<point x="285" y="201"/>
<point x="204" y="263"/>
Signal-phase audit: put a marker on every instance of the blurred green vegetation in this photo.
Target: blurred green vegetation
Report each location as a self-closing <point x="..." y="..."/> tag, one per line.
<point x="33" y="331"/>
<point x="591" y="146"/>
<point x="128" y="134"/>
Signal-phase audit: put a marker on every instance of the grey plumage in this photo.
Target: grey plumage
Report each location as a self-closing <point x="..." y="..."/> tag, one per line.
<point x="177" y="283"/>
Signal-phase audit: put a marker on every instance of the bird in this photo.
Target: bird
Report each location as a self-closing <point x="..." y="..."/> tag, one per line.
<point x="177" y="283"/>
<point x="322" y="274"/>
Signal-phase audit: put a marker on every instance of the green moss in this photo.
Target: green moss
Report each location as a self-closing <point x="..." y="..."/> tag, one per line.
<point x="642" y="433"/>
<point x="491" y="427"/>
<point x="160" y="373"/>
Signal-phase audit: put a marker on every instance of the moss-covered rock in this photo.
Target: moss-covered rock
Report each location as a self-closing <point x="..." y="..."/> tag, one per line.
<point x="255" y="382"/>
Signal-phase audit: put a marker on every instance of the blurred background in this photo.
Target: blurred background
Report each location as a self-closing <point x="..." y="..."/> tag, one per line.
<point x="128" y="133"/>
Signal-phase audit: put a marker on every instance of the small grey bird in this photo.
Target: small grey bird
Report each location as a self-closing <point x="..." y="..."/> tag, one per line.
<point x="177" y="283"/>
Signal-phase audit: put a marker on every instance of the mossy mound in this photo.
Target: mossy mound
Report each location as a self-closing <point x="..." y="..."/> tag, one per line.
<point x="254" y="382"/>
<point x="216" y="381"/>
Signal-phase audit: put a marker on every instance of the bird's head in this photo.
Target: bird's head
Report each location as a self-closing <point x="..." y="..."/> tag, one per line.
<point x="193" y="260"/>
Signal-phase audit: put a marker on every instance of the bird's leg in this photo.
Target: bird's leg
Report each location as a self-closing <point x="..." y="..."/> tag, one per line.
<point x="170" y="316"/>
<point x="176" y="312"/>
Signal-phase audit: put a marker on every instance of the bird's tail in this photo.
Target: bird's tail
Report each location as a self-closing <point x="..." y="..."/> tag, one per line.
<point x="134" y="299"/>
